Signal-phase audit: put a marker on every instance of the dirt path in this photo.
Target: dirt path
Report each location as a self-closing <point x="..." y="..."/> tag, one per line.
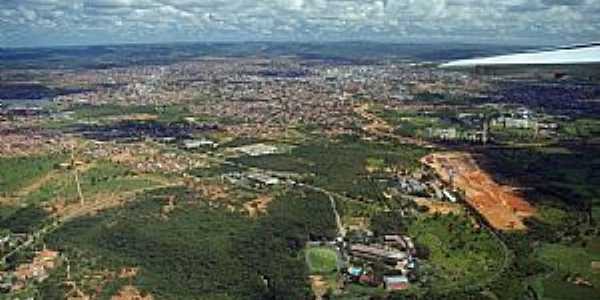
<point x="500" y="205"/>
<point x="318" y="285"/>
<point x="38" y="183"/>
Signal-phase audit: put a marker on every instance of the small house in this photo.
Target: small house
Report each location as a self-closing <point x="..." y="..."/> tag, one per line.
<point x="395" y="283"/>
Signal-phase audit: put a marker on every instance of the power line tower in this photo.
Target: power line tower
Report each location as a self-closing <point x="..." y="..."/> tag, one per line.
<point x="76" y="173"/>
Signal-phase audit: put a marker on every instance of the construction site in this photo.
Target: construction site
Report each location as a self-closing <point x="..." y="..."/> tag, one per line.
<point x="500" y="205"/>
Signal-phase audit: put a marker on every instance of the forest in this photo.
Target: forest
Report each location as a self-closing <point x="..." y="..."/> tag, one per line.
<point x="199" y="252"/>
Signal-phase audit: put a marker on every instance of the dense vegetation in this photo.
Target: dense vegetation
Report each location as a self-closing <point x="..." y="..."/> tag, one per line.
<point x="200" y="252"/>
<point x="341" y="166"/>
<point x="567" y="178"/>
<point x="562" y="240"/>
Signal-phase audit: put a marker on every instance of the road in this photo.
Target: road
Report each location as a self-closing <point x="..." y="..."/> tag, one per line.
<point x="30" y="240"/>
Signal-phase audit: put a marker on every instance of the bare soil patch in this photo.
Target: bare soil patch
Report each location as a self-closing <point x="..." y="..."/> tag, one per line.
<point x="318" y="285"/>
<point x="258" y="205"/>
<point x="130" y="292"/>
<point x="443" y="208"/>
<point x="502" y="207"/>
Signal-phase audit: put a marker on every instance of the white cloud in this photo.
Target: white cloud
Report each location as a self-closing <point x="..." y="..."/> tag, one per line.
<point x="461" y="20"/>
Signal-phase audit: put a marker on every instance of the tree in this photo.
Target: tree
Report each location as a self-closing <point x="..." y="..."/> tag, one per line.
<point x="422" y="251"/>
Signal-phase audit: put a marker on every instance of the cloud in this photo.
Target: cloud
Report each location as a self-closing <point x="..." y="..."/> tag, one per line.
<point x="36" y="22"/>
<point x="563" y="2"/>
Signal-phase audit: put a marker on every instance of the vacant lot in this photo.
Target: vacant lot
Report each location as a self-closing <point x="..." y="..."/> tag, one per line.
<point x="500" y="205"/>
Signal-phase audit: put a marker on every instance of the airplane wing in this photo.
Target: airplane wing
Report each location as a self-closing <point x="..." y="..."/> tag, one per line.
<point x="574" y="55"/>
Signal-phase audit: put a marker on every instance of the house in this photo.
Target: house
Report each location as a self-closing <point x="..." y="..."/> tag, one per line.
<point x="449" y="196"/>
<point x="202" y="143"/>
<point x="377" y="252"/>
<point x="47" y="259"/>
<point x="400" y="242"/>
<point x="410" y="185"/>
<point x="355" y="271"/>
<point x="258" y="149"/>
<point x="395" y="283"/>
<point x="443" y="133"/>
<point x="263" y="179"/>
<point x="4" y="239"/>
<point x="368" y="279"/>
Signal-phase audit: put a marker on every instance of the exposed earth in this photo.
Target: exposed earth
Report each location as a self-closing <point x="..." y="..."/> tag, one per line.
<point x="503" y="208"/>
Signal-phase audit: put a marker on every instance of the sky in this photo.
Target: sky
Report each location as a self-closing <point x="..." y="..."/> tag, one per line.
<point x="31" y="23"/>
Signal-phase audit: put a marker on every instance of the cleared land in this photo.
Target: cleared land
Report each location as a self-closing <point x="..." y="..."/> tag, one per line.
<point x="443" y="208"/>
<point x="500" y="205"/>
<point x="258" y="205"/>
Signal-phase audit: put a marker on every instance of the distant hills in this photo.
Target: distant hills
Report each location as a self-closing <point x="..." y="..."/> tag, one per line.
<point x="109" y="56"/>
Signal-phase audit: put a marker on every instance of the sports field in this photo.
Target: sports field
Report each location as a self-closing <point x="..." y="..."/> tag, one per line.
<point x="321" y="260"/>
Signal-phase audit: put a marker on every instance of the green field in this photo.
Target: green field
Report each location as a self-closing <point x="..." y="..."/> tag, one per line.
<point x="460" y="255"/>
<point x="18" y="172"/>
<point x="321" y="260"/>
<point x="103" y="178"/>
<point x="555" y="287"/>
<point x="171" y="113"/>
<point x="411" y="123"/>
<point x="571" y="260"/>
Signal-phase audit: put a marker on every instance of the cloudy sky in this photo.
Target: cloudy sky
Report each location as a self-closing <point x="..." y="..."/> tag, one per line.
<point x="68" y="22"/>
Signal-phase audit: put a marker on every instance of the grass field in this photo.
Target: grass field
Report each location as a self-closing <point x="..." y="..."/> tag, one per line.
<point x="101" y="179"/>
<point x="321" y="260"/>
<point x="170" y="113"/>
<point x="555" y="287"/>
<point x="571" y="260"/>
<point x="18" y="172"/>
